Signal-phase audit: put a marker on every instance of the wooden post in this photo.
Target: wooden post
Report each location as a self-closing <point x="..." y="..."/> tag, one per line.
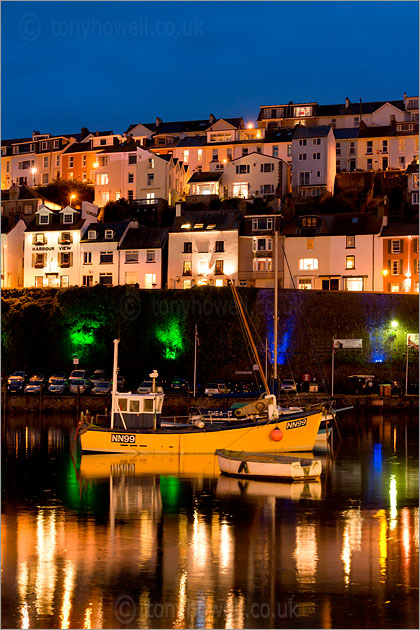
<point x="78" y="403"/>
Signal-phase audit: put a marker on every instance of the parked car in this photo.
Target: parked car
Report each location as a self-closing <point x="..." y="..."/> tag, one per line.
<point x="81" y="385"/>
<point x="16" y="382"/>
<point x="361" y="384"/>
<point x="145" y="387"/>
<point x="102" y="388"/>
<point x="98" y="376"/>
<point x="57" y="385"/>
<point x="216" y="388"/>
<point x="178" y="382"/>
<point x="35" y="385"/>
<point x="78" y="374"/>
<point x="57" y="376"/>
<point x="288" y="385"/>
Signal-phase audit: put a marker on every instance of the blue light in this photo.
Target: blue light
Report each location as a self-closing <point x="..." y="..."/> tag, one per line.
<point x="377" y="457"/>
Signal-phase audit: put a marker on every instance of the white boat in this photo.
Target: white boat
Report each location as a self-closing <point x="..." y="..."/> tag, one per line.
<point x="270" y="465"/>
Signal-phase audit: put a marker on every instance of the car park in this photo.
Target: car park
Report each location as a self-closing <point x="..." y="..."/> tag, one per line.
<point x="78" y="374"/>
<point x="102" y="388"/>
<point x="79" y="385"/>
<point x="57" y="386"/>
<point x="288" y="385"/>
<point x="56" y="376"/>
<point x="16" y="382"/>
<point x="35" y="385"/>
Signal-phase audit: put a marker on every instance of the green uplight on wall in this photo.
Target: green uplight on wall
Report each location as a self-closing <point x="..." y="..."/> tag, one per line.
<point x="394" y="324"/>
<point x="171" y="337"/>
<point x="82" y="335"/>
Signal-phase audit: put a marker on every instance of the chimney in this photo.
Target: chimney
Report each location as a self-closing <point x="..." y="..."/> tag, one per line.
<point x="13" y="192"/>
<point x="177" y="209"/>
<point x="347" y="102"/>
<point x="405" y="98"/>
<point x="158" y="122"/>
<point x="212" y="119"/>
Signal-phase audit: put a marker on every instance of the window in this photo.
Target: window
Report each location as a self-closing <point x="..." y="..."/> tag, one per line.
<point x="318" y="173"/>
<point x="106" y="258"/>
<point x="262" y="244"/>
<point x="401" y="145"/>
<point x="302" y="143"/>
<point x="102" y="142"/>
<point x="27" y="209"/>
<point x="303" y="178"/>
<point x="102" y="179"/>
<point x="267" y="167"/>
<point x="150" y="179"/>
<point x="65" y="259"/>
<point x="109" y="234"/>
<point x="44" y="146"/>
<point x="44" y="218"/>
<point x="186" y="156"/>
<point x="350" y="242"/>
<point x="242" y="169"/>
<point x="220" y="246"/>
<point x="187" y="268"/>
<point x="215" y="155"/>
<point x="132" y="159"/>
<point x="200" y="155"/>
<point x="151" y="163"/>
<point x="71" y="161"/>
<point x="244" y="151"/>
<point x="396" y="247"/>
<point x="263" y="264"/>
<point x="87" y="281"/>
<point x="338" y="166"/>
<point x="39" y="280"/>
<point x="302" y="156"/>
<point x="384" y="146"/>
<point x="218" y="268"/>
<point x="64" y="281"/>
<point x="273" y="113"/>
<point x="150" y="255"/>
<point x="316" y="141"/>
<point x="131" y="257"/>
<point x="416" y="245"/>
<point x="130" y="195"/>
<point x="262" y="224"/>
<point x="338" y="148"/>
<point x="91" y="235"/>
<point x="130" y="178"/>
<point x="87" y="258"/>
<point x="316" y="156"/>
<point x="240" y="190"/>
<point x="309" y="243"/>
<point x="186" y="284"/>
<point x="44" y="178"/>
<point x="229" y="153"/>
<point x="289" y="150"/>
<point x="416" y="266"/>
<point x="307" y="264"/>
<point x="66" y="237"/>
<point x="352" y="149"/>
<point x="131" y="277"/>
<point x="401" y="161"/>
<point x="333" y="122"/>
<point x="39" y="260"/>
<point x="369" y="164"/>
<point x="57" y="160"/>
<point x="356" y="121"/>
<point x="396" y="267"/>
<point x="70" y="174"/>
<point x="415" y="198"/>
<point x="83" y="160"/>
<point x="276" y="152"/>
<point x="305" y="283"/>
<point x="68" y="217"/>
<point x="369" y="146"/>
<point x="187" y="247"/>
<point x="395" y="288"/>
<point x="350" y="262"/>
<point x="354" y="284"/>
<point x="45" y="162"/>
<point x="56" y="144"/>
<point x="105" y="278"/>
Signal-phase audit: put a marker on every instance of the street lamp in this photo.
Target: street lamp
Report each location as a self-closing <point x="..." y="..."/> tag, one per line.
<point x="95" y="165"/>
<point x="33" y="171"/>
<point x="72" y="196"/>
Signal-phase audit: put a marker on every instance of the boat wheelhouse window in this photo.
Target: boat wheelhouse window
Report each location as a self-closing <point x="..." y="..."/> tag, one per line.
<point x="122" y="402"/>
<point x="159" y="403"/>
<point x="134" y="406"/>
<point x="148" y="404"/>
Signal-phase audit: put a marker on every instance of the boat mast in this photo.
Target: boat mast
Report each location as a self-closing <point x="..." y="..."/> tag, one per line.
<point x="253" y="346"/>
<point x="276" y="298"/>
<point x="114" y="381"/>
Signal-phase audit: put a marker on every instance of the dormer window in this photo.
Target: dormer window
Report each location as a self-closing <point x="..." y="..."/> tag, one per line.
<point x="68" y="218"/>
<point x="308" y="222"/>
<point x="44" y="219"/>
<point x="91" y="235"/>
<point x="109" y="234"/>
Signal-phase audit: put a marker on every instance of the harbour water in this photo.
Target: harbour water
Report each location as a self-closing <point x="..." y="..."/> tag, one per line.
<point x="166" y="542"/>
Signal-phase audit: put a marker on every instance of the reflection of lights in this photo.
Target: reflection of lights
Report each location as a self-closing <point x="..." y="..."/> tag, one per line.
<point x="25" y="615"/>
<point x="346" y="554"/>
<point x="87" y="625"/>
<point x="182" y="538"/>
<point x="226" y="545"/>
<point x="306" y="554"/>
<point x="393" y="502"/>
<point x="352" y="540"/>
<point x="405" y="521"/>
<point x="209" y="621"/>
<point x="383" y="551"/>
<point x="199" y="541"/>
<point x="146" y="534"/>
<point x="395" y="438"/>
<point x="235" y="611"/>
<point x="68" y="587"/>
<point x="182" y="601"/>
<point x="144" y="610"/>
<point x="416" y="527"/>
<point x="46" y="570"/>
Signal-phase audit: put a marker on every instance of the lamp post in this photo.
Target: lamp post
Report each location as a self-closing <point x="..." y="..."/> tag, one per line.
<point x="33" y="171"/>
<point x="72" y="196"/>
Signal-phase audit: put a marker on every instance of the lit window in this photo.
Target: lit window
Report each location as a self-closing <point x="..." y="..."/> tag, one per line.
<point x="200" y="155"/>
<point x="186" y="156"/>
<point x="306" y="264"/>
<point x="187" y="268"/>
<point x="185" y="226"/>
<point x="109" y="234"/>
<point x="350" y="262"/>
<point x="353" y="284"/>
<point x="187" y="284"/>
<point x="211" y="226"/>
<point x="149" y="280"/>
<point x="131" y="277"/>
<point x="218" y="268"/>
<point x="198" y="226"/>
<point x="395" y="247"/>
<point x="102" y="179"/>
<point x="219" y="282"/>
<point x="91" y="235"/>
<point x="350" y="242"/>
<point x="305" y="283"/>
<point x="395" y="288"/>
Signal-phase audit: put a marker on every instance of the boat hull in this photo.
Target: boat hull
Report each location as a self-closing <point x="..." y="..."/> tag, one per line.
<point x="254" y="465"/>
<point x="298" y="433"/>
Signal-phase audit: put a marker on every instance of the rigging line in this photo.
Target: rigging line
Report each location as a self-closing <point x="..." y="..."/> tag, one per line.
<point x="324" y="382"/>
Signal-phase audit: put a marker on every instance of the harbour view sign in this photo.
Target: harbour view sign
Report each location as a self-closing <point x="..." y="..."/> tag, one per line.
<point x="344" y="344"/>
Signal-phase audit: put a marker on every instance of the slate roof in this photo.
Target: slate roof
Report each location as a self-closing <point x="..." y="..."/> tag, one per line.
<point x="128" y="146"/>
<point x="222" y="220"/>
<point x="354" y="108"/>
<point x="347" y="132"/>
<point x="401" y="229"/>
<point x="346" y="224"/>
<point x="25" y="192"/>
<point x="118" y="228"/>
<point x="311" y="132"/>
<point x="206" y="176"/>
<point x="81" y="147"/>
<point x="54" y="225"/>
<point x="184" y="126"/>
<point x="145" y="238"/>
<point x="192" y="141"/>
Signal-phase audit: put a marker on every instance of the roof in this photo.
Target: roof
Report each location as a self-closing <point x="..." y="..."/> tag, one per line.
<point x="311" y="132"/>
<point x="347" y="132"/>
<point x="356" y="108"/>
<point x="25" y="192"/>
<point x="185" y="126"/>
<point x="205" y="176"/>
<point x="81" y="147"/>
<point x="412" y="168"/>
<point x="192" y="141"/>
<point x="54" y="224"/>
<point x="117" y="227"/>
<point x="346" y="224"/>
<point x="145" y="238"/>
<point x="401" y="229"/>
<point x="128" y="146"/>
<point x="376" y="132"/>
<point x="278" y="135"/>
<point x="221" y="220"/>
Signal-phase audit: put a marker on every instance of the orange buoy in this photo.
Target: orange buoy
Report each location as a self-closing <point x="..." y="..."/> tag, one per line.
<point x="276" y="434"/>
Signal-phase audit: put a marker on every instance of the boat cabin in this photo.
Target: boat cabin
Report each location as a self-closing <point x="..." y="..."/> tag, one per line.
<point x="137" y="411"/>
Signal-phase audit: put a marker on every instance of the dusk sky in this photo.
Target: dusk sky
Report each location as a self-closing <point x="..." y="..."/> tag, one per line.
<point x="105" y="65"/>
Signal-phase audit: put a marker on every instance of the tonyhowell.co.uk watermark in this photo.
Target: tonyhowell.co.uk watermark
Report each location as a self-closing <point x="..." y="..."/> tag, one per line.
<point x="32" y="28"/>
<point x="127" y="610"/>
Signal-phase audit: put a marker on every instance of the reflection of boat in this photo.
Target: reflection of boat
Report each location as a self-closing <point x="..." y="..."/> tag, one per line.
<point x="228" y="486"/>
<point x="94" y="466"/>
<point x="242" y="464"/>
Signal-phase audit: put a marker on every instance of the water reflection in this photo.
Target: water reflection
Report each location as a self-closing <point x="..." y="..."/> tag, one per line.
<point x="164" y="541"/>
